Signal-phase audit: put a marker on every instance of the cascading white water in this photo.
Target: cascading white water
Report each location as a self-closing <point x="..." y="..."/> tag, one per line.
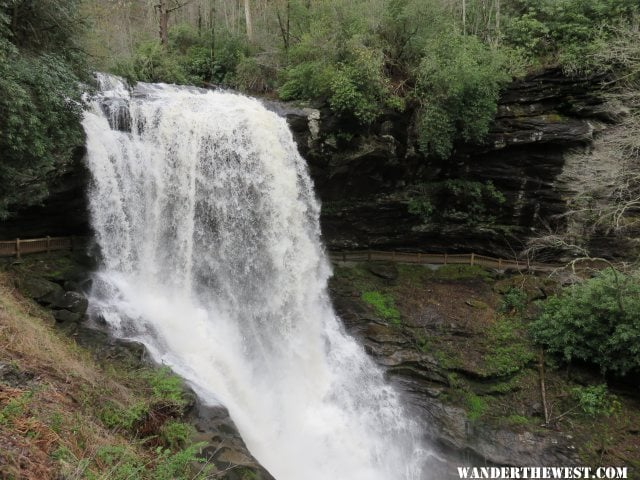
<point x="208" y="225"/>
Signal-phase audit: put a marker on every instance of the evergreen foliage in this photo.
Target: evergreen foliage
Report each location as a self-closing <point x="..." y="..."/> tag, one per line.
<point x="597" y="321"/>
<point x="566" y="31"/>
<point x="364" y="58"/>
<point x="458" y="82"/>
<point x="40" y="87"/>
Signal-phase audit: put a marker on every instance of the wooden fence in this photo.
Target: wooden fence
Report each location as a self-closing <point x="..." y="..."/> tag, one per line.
<point x="441" y="259"/>
<point x="19" y="247"/>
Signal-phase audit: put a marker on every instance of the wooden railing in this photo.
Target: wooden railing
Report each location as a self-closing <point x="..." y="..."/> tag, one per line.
<point x="19" y="247"/>
<point x="441" y="259"/>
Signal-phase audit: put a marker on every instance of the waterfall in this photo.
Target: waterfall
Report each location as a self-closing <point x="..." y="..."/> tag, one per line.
<point x="208" y="227"/>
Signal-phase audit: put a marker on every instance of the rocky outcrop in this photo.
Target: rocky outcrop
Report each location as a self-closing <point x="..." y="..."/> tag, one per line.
<point x="63" y="213"/>
<point x="366" y="180"/>
<point x="437" y="315"/>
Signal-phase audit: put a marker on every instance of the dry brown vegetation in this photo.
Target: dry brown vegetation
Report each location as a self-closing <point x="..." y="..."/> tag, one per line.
<point x="43" y="412"/>
<point x="53" y="396"/>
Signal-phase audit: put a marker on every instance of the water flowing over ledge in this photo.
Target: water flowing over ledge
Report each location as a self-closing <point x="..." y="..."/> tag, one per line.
<point x="208" y="226"/>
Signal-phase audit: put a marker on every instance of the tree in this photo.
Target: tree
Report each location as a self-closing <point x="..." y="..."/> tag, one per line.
<point x="247" y="17"/>
<point x="596" y="321"/>
<point x="41" y="73"/>
<point x="458" y="83"/>
<point x="164" y="10"/>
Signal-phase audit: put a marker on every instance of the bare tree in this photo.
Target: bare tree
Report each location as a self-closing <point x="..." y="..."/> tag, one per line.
<point x="247" y="17"/>
<point x="164" y="10"/>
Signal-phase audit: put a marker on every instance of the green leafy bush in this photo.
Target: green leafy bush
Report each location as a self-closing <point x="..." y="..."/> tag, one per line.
<point x="458" y="82"/>
<point x="252" y="77"/>
<point x="565" y="31"/>
<point x="151" y="63"/>
<point x="596" y="321"/>
<point x="176" y="434"/>
<point x="514" y="300"/>
<point x="179" y="465"/>
<point x="165" y="386"/>
<point x="165" y="464"/>
<point x="118" y="417"/>
<point x="190" y="58"/>
<point x="595" y="400"/>
<point x="456" y="201"/>
<point x="41" y="73"/>
<point x="337" y="60"/>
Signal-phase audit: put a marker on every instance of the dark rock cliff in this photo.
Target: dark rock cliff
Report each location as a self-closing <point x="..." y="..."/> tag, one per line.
<point x="63" y="213"/>
<point x="368" y="181"/>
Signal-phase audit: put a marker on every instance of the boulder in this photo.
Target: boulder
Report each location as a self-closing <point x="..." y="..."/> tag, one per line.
<point x="40" y="289"/>
<point x="72" y="301"/>
<point x="386" y="270"/>
<point x="66" y="316"/>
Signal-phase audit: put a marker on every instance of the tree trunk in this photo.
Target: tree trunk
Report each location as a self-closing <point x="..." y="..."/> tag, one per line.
<point x="247" y="16"/>
<point x="285" y="26"/>
<point x="464" y="17"/>
<point x="497" y="21"/>
<point x="543" y="388"/>
<point x="163" y="13"/>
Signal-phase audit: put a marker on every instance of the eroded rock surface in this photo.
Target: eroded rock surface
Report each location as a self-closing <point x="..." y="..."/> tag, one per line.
<point x="439" y="343"/>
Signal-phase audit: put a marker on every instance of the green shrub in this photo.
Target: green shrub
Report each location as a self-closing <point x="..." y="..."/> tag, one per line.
<point x="117" y="417"/>
<point x="596" y="321"/>
<point x="458" y="82"/>
<point x="383" y="304"/>
<point x="306" y="80"/>
<point x="457" y="200"/>
<point x="165" y="386"/>
<point x="514" y="301"/>
<point x="14" y="408"/>
<point x="252" y="77"/>
<point x="566" y="31"/>
<point x="516" y="420"/>
<point x="595" y="400"/>
<point x="176" y="434"/>
<point x="152" y="63"/>
<point x="40" y="127"/>
<point x="179" y="465"/>
<point x="124" y="463"/>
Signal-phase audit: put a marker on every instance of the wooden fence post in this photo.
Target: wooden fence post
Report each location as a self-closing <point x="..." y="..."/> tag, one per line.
<point x="445" y="258"/>
<point x="368" y="255"/>
<point x="419" y="257"/>
<point x="473" y="258"/>
<point x="18" y="248"/>
<point x="499" y="264"/>
<point x="48" y="244"/>
<point x="344" y="256"/>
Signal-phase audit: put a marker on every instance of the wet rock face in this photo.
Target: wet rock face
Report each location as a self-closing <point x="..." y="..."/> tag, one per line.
<point x="226" y="449"/>
<point x="363" y="182"/>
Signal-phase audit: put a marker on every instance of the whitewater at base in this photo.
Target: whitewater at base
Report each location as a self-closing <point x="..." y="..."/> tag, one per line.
<point x="208" y="227"/>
